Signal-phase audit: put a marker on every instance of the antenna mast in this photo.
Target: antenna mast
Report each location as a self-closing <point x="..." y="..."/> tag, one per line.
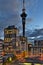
<point x="24" y="4"/>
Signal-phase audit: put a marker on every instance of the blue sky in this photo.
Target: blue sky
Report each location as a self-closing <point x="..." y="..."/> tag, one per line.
<point x="10" y="11"/>
<point x="37" y="15"/>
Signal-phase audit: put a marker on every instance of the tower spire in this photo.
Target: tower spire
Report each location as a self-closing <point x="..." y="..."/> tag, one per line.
<point x="23" y="4"/>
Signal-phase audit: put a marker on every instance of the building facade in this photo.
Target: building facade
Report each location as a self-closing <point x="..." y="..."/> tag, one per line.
<point x="10" y="39"/>
<point x="10" y="33"/>
<point x="1" y="51"/>
<point x="23" y="45"/>
<point x="38" y="47"/>
<point x="30" y="49"/>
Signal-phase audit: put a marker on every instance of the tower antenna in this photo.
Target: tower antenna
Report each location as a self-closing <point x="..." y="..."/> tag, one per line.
<point x="23" y="6"/>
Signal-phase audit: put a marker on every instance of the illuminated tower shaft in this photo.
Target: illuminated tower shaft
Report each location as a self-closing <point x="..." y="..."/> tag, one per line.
<point x="23" y="15"/>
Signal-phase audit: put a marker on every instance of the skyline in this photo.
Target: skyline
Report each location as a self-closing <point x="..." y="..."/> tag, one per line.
<point x="10" y="11"/>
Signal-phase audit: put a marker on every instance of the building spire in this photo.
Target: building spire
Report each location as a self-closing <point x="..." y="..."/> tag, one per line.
<point x="23" y="4"/>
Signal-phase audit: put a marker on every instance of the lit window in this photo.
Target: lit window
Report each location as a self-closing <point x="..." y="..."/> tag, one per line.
<point x="16" y="43"/>
<point x="7" y="48"/>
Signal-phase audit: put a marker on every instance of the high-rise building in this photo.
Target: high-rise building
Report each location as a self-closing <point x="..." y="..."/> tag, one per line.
<point x="10" y="39"/>
<point x="39" y="46"/>
<point x="23" y="45"/>
<point x="10" y="33"/>
<point x="1" y="51"/>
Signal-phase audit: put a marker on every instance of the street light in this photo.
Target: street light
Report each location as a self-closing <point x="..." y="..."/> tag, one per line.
<point x="9" y="59"/>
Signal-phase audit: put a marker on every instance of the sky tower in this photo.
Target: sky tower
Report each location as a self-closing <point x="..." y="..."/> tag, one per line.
<point x="23" y="39"/>
<point x="23" y="15"/>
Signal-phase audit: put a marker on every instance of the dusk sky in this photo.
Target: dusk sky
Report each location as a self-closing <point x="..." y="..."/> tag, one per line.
<point x="10" y="11"/>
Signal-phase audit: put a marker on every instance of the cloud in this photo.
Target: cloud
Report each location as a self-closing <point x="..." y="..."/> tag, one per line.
<point x="10" y="11"/>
